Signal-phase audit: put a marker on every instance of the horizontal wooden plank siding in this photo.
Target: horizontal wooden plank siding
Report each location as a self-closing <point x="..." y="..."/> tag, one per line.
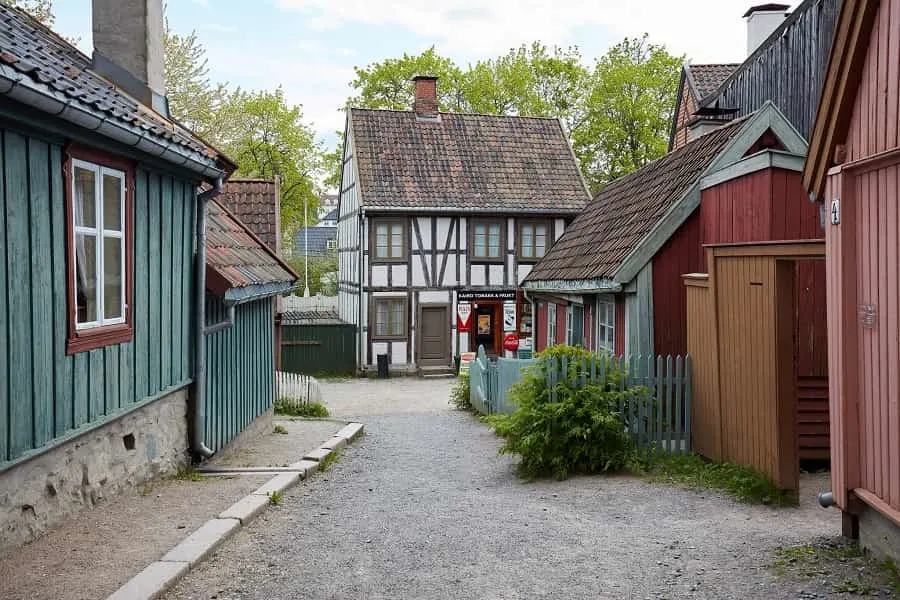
<point x="53" y="396"/>
<point x="240" y="369"/>
<point x="788" y="71"/>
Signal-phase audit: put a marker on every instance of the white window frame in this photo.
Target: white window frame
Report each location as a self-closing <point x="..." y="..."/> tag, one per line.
<point x="606" y="323"/>
<point x="551" y="324"/>
<point x="100" y="233"/>
<point x="570" y="323"/>
<point x="331" y="244"/>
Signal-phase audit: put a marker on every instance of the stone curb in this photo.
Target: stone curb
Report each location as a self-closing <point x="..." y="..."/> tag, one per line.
<point x="160" y="576"/>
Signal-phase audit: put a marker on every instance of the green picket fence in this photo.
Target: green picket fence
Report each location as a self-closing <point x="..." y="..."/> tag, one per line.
<point x="657" y="411"/>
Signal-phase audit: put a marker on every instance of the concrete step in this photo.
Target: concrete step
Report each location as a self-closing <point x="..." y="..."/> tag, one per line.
<point x="436" y="372"/>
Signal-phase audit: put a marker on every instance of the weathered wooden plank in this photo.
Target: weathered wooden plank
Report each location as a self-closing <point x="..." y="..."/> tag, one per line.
<point x="142" y="227"/>
<point x="670" y="406"/>
<point x="688" y="401"/>
<point x="5" y="423"/>
<point x="111" y="380"/>
<point x="154" y="274"/>
<point x="679" y="386"/>
<point x="62" y="368"/>
<point x="42" y="290"/>
<point x="177" y="278"/>
<point x="187" y="279"/>
<point x="96" y="385"/>
<point x="126" y="374"/>
<point x="165" y="293"/>
<point x="658" y="393"/>
<point x="80" y="393"/>
<point x="18" y="266"/>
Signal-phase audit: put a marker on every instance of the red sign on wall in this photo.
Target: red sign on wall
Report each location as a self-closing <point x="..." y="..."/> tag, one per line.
<point x="463" y="317"/>
<point x="511" y="342"/>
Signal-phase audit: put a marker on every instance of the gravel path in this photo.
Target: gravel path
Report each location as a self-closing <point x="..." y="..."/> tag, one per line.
<point x="423" y="507"/>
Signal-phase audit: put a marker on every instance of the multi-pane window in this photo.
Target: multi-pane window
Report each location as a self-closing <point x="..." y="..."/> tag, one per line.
<point x="390" y="240"/>
<point x="390" y="318"/>
<point x="487" y="240"/>
<point x="331" y="244"/>
<point x="606" y="324"/>
<point x="551" y="324"/>
<point x="99" y="239"/>
<point x="575" y="325"/>
<point x="533" y="240"/>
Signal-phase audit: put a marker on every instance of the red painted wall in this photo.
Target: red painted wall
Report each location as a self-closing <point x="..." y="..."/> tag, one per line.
<point x="561" y="323"/>
<point x="540" y="324"/>
<point x="620" y="325"/>
<point x="681" y="254"/>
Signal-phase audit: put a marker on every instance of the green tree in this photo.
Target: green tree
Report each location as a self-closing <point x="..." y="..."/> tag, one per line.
<point x="193" y="100"/>
<point x="332" y="162"/>
<point x="628" y="110"/>
<point x="322" y="273"/>
<point x="268" y="138"/>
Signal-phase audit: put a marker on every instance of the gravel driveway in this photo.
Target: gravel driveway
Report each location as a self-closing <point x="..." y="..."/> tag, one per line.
<point x="423" y="507"/>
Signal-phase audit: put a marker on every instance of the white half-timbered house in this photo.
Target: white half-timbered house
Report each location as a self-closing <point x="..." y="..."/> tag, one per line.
<point x="442" y="215"/>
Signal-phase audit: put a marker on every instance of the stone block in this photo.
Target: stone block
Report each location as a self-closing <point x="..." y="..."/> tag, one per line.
<point x="279" y="483"/>
<point x="202" y="542"/>
<point x="318" y="455"/>
<point x="305" y="467"/>
<point x="879" y="534"/>
<point x="246" y="509"/>
<point x="335" y="443"/>
<point x="351" y="431"/>
<point x="152" y="582"/>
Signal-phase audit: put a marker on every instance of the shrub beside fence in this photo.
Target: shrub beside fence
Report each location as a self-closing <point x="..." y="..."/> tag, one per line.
<point x="659" y="417"/>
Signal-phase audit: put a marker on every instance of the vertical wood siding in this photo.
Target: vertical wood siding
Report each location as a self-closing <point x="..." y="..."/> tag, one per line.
<point x="771" y="205"/>
<point x="874" y="126"/>
<point x="789" y="71"/>
<point x="681" y="133"/>
<point x="681" y="254"/>
<point x="238" y="389"/>
<point x="619" y="331"/>
<point x="540" y="324"/>
<point x="878" y="291"/>
<point x="702" y="344"/>
<point x="45" y="395"/>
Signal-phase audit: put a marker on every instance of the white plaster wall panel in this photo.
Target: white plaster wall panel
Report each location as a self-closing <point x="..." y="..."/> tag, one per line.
<point x="510" y="233"/>
<point x="398" y="353"/>
<point x="512" y="276"/>
<point x="443" y="230"/>
<point x="463" y="233"/>
<point x="496" y="274"/>
<point x="477" y="276"/>
<point x="399" y="275"/>
<point x="434" y="297"/>
<point x="523" y="272"/>
<point x="379" y="348"/>
<point x="560" y="228"/>
<point x="379" y="275"/>
<point x="425" y="232"/>
<point x="449" y="279"/>
<point x="418" y="275"/>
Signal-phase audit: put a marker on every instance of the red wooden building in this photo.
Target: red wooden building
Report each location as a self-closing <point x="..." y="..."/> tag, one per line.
<point x="854" y="169"/>
<point x="619" y="266"/>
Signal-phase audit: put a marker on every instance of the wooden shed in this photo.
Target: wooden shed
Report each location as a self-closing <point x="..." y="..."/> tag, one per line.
<point x="742" y="322"/>
<point x="854" y="170"/>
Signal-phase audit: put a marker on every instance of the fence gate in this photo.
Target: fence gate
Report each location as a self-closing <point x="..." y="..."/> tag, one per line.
<point x="319" y="349"/>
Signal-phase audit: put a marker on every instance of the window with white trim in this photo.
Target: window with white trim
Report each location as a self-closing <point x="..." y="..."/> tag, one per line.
<point x="551" y="324"/>
<point x="606" y="324"/>
<point x="390" y="319"/>
<point x="575" y="325"/>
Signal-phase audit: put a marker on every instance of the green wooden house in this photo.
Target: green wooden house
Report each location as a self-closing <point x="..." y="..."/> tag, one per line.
<point x="129" y="341"/>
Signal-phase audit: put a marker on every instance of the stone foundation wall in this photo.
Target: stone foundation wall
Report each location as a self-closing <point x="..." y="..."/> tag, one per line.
<point x="878" y="534"/>
<point x="129" y="451"/>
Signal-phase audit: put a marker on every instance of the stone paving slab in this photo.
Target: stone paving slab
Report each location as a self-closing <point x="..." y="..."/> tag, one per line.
<point x="335" y="443"/>
<point x="199" y="544"/>
<point x="318" y="455"/>
<point x="245" y="509"/>
<point x="279" y="483"/>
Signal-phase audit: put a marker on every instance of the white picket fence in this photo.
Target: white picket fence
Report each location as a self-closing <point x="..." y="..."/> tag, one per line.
<point x="294" y="389"/>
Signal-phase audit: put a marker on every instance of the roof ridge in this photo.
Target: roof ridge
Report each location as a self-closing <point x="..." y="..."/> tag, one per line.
<point x="454" y="113"/>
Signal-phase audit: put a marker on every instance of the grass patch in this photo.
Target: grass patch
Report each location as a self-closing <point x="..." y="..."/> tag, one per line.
<point x="280" y="429"/>
<point x="188" y="474"/>
<point x="690" y="470"/>
<point x="859" y="572"/>
<point x="288" y="408"/>
<point x="330" y="460"/>
<point x="274" y="498"/>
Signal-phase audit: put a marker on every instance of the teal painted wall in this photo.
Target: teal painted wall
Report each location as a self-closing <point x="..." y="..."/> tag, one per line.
<point x="240" y="369"/>
<point x="46" y="396"/>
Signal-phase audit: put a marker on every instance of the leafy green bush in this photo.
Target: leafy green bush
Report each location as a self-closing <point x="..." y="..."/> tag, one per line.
<point x="459" y="393"/>
<point x="569" y="428"/>
<point x="285" y="406"/>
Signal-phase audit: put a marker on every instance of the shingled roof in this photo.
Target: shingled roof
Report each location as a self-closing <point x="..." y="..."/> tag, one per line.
<point x="707" y="78"/>
<point x="596" y="244"/>
<point x="256" y="203"/>
<point x="239" y="266"/>
<point x="465" y="162"/>
<point x="40" y="69"/>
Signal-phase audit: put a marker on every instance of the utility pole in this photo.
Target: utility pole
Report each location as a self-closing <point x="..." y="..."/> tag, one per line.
<point x="305" y="247"/>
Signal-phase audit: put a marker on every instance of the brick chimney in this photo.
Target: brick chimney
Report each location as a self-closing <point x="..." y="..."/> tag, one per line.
<point x="762" y="20"/>
<point x="129" y="48"/>
<point x="426" y="103"/>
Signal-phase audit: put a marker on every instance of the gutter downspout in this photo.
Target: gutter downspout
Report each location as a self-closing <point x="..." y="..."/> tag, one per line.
<point x="534" y="320"/>
<point x="359" y="331"/>
<point x="198" y="443"/>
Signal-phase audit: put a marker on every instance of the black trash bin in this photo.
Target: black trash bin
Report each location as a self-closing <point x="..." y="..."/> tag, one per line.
<point x="382" y="366"/>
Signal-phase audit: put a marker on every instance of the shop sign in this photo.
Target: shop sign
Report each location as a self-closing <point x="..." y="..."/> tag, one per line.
<point x="509" y="316"/>
<point x="486" y="295"/>
<point x="463" y="317"/>
<point x="511" y="342"/>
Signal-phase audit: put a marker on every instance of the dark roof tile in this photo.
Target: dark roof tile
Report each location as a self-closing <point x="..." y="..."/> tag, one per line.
<point x="465" y="161"/>
<point x="626" y="210"/>
<point x="708" y="78"/>
<point x="256" y="203"/>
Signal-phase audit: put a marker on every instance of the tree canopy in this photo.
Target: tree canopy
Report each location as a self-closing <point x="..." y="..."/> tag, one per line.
<point x="616" y="112"/>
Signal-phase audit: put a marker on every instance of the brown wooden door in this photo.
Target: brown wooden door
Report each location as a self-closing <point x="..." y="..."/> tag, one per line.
<point x="434" y="331"/>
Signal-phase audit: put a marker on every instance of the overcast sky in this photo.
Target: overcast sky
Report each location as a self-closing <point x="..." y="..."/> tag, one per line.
<point x="311" y="46"/>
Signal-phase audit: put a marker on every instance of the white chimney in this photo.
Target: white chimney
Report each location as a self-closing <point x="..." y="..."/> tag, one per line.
<point x="129" y="48"/>
<point x="762" y="20"/>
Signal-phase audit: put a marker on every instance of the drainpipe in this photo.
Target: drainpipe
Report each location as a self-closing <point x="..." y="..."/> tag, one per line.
<point x="359" y="336"/>
<point x="199" y="446"/>
<point x="826" y="499"/>
<point x="533" y="321"/>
